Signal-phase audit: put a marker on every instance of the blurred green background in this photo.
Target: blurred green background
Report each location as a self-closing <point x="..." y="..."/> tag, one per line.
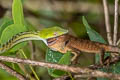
<point x="67" y="14"/>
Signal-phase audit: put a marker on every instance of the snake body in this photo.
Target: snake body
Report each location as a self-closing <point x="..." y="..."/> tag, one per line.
<point x="43" y="35"/>
<point x="18" y="38"/>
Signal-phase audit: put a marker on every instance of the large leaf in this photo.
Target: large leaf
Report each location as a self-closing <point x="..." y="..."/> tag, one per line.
<point x="6" y="23"/>
<point x="17" y="12"/>
<point x="53" y="56"/>
<point x="17" y="27"/>
<point x="11" y="31"/>
<point x="94" y="36"/>
<point x="56" y="57"/>
<point x="64" y="60"/>
<point x="6" y="76"/>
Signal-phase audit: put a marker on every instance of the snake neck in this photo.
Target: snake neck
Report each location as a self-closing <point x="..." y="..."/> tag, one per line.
<point x="18" y="38"/>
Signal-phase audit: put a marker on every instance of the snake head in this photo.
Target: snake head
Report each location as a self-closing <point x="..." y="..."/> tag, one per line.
<point x="52" y="32"/>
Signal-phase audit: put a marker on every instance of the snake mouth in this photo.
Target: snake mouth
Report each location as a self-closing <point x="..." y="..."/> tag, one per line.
<point x="51" y="40"/>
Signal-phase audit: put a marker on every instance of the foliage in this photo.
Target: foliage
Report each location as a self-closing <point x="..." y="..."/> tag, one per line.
<point x="56" y="57"/>
<point x="11" y="27"/>
<point x="94" y="36"/>
<point x="16" y="24"/>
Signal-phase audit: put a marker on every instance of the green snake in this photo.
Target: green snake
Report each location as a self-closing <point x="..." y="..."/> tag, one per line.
<point x="39" y="35"/>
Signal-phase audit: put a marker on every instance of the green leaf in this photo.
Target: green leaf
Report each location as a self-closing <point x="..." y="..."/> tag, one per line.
<point x="53" y="56"/>
<point x="11" y="31"/>
<point x="6" y="76"/>
<point x="94" y="36"/>
<point x="6" y="23"/>
<point x="57" y="57"/>
<point x="29" y="26"/>
<point x="17" y="12"/>
<point x="64" y="60"/>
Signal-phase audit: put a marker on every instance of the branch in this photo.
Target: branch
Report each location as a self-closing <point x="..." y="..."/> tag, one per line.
<point x="115" y="22"/>
<point x="79" y="75"/>
<point x="62" y="78"/>
<point x="32" y="49"/>
<point x="107" y="22"/>
<point x="111" y="61"/>
<point x="92" y="73"/>
<point x="118" y="42"/>
<point x="11" y="71"/>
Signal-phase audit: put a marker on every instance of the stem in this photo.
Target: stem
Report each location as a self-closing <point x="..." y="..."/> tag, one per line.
<point x="90" y="72"/>
<point x="30" y="65"/>
<point x="107" y="22"/>
<point x="115" y="23"/>
<point x="11" y="71"/>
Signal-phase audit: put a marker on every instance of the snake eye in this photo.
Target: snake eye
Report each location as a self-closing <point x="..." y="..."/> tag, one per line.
<point x="55" y="33"/>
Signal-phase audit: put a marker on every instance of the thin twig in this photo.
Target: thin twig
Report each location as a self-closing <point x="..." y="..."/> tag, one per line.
<point x="22" y="67"/>
<point x="11" y="71"/>
<point x="115" y="22"/>
<point x="107" y="22"/>
<point x="118" y="42"/>
<point x="62" y="78"/>
<point x="35" y="74"/>
<point x="112" y="61"/>
<point x="92" y="73"/>
<point x="82" y="76"/>
<point x="32" y="49"/>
